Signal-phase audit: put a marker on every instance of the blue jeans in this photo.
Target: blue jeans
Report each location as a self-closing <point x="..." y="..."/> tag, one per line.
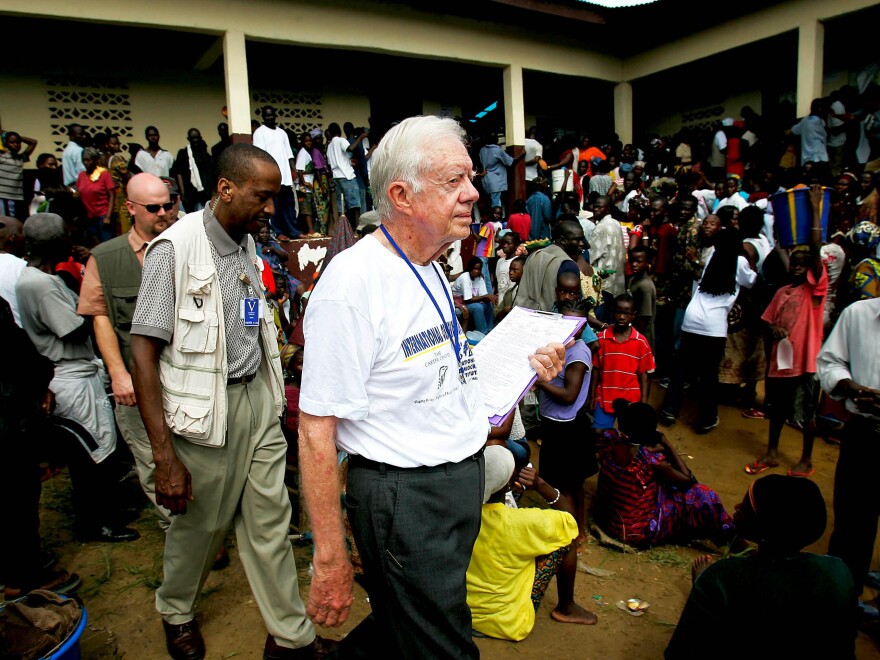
<point x="486" y="278"/>
<point x="495" y="198"/>
<point x="483" y="315"/>
<point x="348" y="189"/>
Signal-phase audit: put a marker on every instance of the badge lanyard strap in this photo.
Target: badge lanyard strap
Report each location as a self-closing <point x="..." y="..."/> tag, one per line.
<point x="456" y="343"/>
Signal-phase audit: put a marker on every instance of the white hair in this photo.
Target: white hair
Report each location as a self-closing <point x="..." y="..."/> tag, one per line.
<point x="43" y="228"/>
<point x="404" y="155"/>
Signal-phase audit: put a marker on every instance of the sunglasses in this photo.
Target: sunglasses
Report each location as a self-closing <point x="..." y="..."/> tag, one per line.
<point x="154" y="208"/>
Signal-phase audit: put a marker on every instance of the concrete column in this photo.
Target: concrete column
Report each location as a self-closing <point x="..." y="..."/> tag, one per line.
<point x="515" y="131"/>
<point x="623" y="112"/>
<point x="810" y="65"/>
<point x="238" y="95"/>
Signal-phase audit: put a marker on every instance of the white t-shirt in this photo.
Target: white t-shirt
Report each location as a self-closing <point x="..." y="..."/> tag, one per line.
<point x="275" y="141"/>
<point x="380" y="362"/>
<point x="534" y="149"/>
<point x="340" y="159"/>
<point x="502" y="276"/>
<point x="303" y="158"/>
<point x="10" y="270"/>
<point x="160" y="165"/>
<point x="467" y="288"/>
<point x="707" y="314"/>
<point x="734" y="200"/>
<point x="836" y="139"/>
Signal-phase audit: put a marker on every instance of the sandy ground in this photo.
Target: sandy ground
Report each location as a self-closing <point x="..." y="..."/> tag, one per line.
<point x="119" y="580"/>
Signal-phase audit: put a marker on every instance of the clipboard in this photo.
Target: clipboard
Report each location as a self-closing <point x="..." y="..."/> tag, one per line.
<point x="503" y="370"/>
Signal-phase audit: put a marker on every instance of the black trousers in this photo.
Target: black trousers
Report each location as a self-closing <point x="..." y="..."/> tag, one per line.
<point x="856" y="505"/>
<point x="20" y="488"/>
<point x="700" y="357"/>
<point x="415" y="530"/>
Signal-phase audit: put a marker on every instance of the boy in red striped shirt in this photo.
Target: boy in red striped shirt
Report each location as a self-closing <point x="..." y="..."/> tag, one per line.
<point x="620" y="366"/>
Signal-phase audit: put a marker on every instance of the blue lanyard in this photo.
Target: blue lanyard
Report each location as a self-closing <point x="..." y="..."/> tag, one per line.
<point x="453" y="336"/>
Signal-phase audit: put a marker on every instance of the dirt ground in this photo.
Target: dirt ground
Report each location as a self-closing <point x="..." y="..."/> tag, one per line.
<point x="119" y="580"/>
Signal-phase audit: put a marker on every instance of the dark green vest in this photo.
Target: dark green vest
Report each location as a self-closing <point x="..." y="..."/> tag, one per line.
<point x="120" y="273"/>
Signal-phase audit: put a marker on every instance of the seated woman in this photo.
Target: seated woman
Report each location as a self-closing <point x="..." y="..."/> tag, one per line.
<point x="517" y="553"/>
<point x="469" y="289"/>
<point x="796" y="603"/>
<point x="646" y="495"/>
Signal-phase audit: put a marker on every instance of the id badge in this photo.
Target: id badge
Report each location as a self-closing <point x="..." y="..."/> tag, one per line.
<point x="250" y="312"/>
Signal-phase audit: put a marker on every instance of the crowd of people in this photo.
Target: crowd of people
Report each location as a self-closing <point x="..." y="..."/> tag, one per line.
<point x="186" y="335"/>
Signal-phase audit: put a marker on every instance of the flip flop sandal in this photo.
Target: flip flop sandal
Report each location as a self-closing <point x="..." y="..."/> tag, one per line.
<point x="757" y="467"/>
<point x="808" y="473"/>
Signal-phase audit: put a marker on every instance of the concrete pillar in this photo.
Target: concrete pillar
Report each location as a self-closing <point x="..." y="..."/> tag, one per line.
<point x="515" y="131"/>
<point x="623" y="112"/>
<point x="810" y="65"/>
<point x="238" y="95"/>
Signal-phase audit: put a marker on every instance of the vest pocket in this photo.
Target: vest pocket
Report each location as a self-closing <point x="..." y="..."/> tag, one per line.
<point x="198" y="330"/>
<point x="124" y="301"/>
<point x="188" y="414"/>
<point x="199" y="281"/>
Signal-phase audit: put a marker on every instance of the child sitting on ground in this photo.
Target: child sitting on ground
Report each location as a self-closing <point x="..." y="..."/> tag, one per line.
<point x="568" y="455"/>
<point x="621" y="365"/>
<point x="737" y="599"/>
<point x="646" y="494"/>
<point x="796" y="314"/>
<point x="517" y="553"/>
<point x="469" y="290"/>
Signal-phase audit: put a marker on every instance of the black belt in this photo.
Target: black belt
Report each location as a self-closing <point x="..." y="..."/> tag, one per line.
<point x="361" y="462"/>
<point x="243" y="380"/>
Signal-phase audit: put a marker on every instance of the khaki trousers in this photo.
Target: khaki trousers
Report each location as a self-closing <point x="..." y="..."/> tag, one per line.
<point x="128" y="418"/>
<point x="241" y="483"/>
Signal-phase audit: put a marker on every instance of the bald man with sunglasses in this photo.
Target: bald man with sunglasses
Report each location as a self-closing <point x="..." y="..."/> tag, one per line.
<point x="108" y="294"/>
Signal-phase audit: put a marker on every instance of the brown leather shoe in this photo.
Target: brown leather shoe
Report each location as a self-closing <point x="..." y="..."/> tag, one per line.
<point x="320" y="648"/>
<point x="184" y="642"/>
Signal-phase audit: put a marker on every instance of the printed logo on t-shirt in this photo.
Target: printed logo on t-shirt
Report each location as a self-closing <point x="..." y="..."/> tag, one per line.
<point x="428" y="344"/>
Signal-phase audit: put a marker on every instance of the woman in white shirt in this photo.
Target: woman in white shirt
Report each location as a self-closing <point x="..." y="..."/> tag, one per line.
<point x="470" y="288"/>
<point x="704" y="329"/>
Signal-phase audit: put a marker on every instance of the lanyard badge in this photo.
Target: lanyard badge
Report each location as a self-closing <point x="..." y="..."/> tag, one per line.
<point x="452" y="326"/>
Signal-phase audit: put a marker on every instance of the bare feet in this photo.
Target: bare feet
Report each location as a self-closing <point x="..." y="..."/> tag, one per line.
<point x="700" y="564"/>
<point x="573" y="613"/>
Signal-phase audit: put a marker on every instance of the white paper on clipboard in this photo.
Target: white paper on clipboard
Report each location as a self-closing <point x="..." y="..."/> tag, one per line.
<point x="502" y="357"/>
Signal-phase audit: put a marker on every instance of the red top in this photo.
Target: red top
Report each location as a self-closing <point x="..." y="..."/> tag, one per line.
<point x="619" y="364"/>
<point x="666" y="243"/>
<point x="521" y="223"/>
<point x="95" y="195"/>
<point x="626" y="495"/>
<point x="799" y="309"/>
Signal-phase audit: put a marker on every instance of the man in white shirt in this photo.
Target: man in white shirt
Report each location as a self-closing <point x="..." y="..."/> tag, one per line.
<point x="534" y="153"/>
<point x="11" y="262"/>
<point x="272" y="138"/>
<point x="339" y="153"/>
<point x="849" y="368"/>
<point x="836" y="128"/>
<point x="717" y="158"/>
<point x="403" y="400"/>
<point x="607" y="251"/>
<point x="154" y="159"/>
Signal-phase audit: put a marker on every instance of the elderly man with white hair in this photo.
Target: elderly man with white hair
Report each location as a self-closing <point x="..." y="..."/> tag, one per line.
<point x="48" y="314"/>
<point x="389" y="377"/>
